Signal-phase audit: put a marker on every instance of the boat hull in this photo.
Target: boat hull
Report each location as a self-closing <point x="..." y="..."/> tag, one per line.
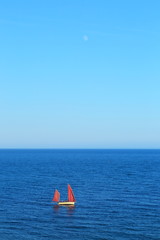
<point x="66" y="203"/>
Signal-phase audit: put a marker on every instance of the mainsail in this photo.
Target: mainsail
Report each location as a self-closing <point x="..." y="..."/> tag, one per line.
<point x="71" y="197"/>
<point x="56" y="196"/>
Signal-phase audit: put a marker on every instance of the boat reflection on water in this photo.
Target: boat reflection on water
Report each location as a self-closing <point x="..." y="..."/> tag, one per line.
<point x="70" y="209"/>
<point x="56" y="208"/>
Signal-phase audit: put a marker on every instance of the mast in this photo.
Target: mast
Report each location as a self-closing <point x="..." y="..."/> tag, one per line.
<point x="56" y="196"/>
<point x="71" y="197"/>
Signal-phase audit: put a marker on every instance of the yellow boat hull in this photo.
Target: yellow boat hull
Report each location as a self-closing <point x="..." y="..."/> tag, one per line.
<point x="66" y="203"/>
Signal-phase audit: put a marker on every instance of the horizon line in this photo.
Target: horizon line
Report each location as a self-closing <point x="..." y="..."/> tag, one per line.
<point x="14" y="148"/>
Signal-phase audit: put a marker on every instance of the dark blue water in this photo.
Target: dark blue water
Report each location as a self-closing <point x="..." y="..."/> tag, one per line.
<point x="117" y="193"/>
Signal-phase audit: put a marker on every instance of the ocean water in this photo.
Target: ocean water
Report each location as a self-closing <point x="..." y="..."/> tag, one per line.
<point x="117" y="193"/>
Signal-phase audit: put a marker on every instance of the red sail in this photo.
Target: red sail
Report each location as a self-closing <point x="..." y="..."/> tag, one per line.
<point x="71" y="197"/>
<point x="56" y="196"/>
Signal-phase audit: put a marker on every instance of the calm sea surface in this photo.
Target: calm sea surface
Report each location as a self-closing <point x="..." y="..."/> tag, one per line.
<point x="117" y="193"/>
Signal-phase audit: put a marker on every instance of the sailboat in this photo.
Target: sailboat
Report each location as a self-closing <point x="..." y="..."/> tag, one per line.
<point x="71" y="199"/>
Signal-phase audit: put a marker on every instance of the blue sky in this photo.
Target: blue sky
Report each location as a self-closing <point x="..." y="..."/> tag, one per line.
<point x="80" y="74"/>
